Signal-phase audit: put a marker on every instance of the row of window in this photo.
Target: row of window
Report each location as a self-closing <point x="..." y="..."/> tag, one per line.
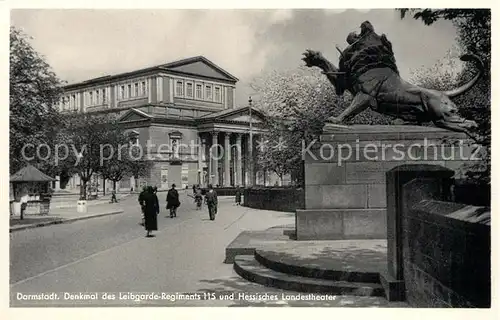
<point x="139" y="89"/>
<point x="133" y="90"/>
<point x="96" y="97"/>
<point x="185" y="90"/>
<point x="174" y="143"/>
<point x="126" y="91"/>
<point x="70" y="102"/>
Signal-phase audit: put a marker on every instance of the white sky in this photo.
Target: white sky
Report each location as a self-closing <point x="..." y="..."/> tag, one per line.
<point x="82" y="44"/>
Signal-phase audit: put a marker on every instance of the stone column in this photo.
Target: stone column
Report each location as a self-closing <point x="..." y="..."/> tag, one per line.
<point x="227" y="159"/>
<point x="214" y="154"/>
<point x="207" y="149"/>
<point x="201" y="149"/>
<point x="238" y="159"/>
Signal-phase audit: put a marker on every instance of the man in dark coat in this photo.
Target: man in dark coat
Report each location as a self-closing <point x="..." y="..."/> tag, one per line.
<point x="173" y="201"/>
<point x="211" y="201"/>
<point x="149" y="201"/>
<point x="237" y="198"/>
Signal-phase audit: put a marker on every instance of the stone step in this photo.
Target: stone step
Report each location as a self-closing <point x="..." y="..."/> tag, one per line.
<point x="250" y="269"/>
<point x="291" y="233"/>
<point x="278" y="262"/>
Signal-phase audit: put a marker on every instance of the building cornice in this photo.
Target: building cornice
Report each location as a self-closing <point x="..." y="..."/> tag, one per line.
<point x="112" y="79"/>
<point x="194" y="77"/>
<point x="185" y="107"/>
<point x="194" y="123"/>
<point x="136" y="124"/>
<point x="163" y="120"/>
<point x="152" y="71"/>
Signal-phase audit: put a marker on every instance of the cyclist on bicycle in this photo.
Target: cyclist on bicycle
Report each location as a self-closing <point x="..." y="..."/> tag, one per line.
<point x="198" y="197"/>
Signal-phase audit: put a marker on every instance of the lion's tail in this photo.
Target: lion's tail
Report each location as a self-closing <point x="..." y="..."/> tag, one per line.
<point x="466" y="87"/>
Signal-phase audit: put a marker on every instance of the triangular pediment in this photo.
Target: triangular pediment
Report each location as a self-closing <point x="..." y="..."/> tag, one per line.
<point x="200" y="66"/>
<point x="245" y="117"/>
<point x="134" y="115"/>
<point x="236" y="115"/>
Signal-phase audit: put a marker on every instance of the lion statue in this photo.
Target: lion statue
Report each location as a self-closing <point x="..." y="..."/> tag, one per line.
<point x="367" y="69"/>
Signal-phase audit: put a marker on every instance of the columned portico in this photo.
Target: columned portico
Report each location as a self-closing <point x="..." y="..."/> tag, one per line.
<point x="201" y="150"/>
<point x="228" y="137"/>
<point x="226" y="167"/>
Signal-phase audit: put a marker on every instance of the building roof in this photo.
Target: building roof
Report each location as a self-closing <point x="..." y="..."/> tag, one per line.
<point x="30" y="174"/>
<point x="196" y="66"/>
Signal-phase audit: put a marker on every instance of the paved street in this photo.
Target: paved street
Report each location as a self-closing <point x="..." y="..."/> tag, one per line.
<point x="112" y="255"/>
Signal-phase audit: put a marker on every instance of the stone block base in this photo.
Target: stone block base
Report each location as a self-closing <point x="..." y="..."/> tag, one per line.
<point x="338" y="224"/>
<point x="394" y="289"/>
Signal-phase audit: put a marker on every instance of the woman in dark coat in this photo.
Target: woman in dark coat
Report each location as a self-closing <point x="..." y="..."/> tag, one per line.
<point x="149" y="201"/>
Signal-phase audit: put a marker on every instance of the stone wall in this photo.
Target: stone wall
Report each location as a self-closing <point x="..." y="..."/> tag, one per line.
<point x="222" y="192"/>
<point x="446" y="250"/>
<point x="274" y="198"/>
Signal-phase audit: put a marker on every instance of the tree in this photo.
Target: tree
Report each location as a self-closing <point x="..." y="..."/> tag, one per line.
<point x="277" y="158"/>
<point x="35" y="90"/>
<point x="88" y="135"/>
<point x="125" y="160"/>
<point x="297" y="104"/>
<point x="473" y="36"/>
<point x="115" y="155"/>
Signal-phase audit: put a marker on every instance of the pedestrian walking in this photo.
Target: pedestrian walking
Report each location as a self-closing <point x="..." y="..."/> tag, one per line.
<point x="144" y="189"/>
<point x="149" y="201"/>
<point x="211" y="201"/>
<point x="237" y="197"/>
<point x="173" y="201"/>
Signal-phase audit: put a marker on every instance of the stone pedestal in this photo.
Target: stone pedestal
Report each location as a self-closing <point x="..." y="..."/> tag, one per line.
<point x="345" y="182"/>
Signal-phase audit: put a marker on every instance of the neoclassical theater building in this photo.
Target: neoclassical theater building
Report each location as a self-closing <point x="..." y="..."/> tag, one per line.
<point x="172" y="107"/>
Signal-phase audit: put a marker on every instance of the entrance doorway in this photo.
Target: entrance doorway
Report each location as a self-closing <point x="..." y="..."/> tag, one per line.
<point x="164" y="179"/>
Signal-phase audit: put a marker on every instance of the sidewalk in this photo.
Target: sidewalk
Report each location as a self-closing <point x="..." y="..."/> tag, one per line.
<point x="67" y="203"/>
<point x="63" y="215"/>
